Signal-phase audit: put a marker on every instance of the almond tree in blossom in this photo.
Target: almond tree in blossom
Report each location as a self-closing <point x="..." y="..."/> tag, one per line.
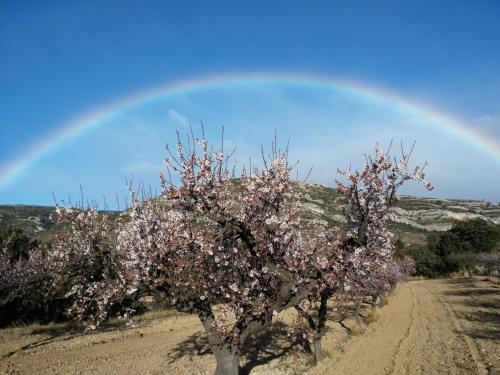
<point x="361" y="259"/>
<point x="385" y="278"/>
<point x="84" y="263"/>
<point x="24" y="279"/>
<point x="226" y="249"/>
<point x="407" y="265"/>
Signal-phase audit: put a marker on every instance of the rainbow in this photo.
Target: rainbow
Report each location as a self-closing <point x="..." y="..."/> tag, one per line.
<point x="99" y="117"/>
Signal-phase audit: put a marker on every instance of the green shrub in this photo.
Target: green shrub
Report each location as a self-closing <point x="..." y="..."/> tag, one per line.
<point x="427" y="263"/>
<point x="15" y="244"/>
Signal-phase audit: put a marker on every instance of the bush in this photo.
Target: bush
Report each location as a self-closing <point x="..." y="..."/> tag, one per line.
<point x="428" y="264"/>
<point x="458" y="247"/>
<point x="399" y="249"/>
<point x="465" y="260"/>
<point x="15" y="244"/>
<point x="475" y="235"/>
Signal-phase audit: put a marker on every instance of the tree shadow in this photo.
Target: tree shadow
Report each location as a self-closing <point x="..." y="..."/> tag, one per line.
<point x="490" y="326"/>
<point x="347" y="311"/>
<point x="41" y="342"/>
<point x="194" y="345"/>
<point x="472" y="292"/>
<point x="460" y="280"/>
<point x="58" y="330"/>
<point x="76" y="329"/>
<point x="267" y="346"/>
<point x="475" y="282"/>
<point x="482" y="308"/>
<point x="64" y="332"/>
<point x="484" y="334"/>
<point x="343" y="325"/>
<point x="483" y="304"/>
<point x="486" y="317"/>
<point x="259" y="349"/>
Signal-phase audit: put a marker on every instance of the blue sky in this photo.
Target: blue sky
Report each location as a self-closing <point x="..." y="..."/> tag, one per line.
<point x="59" y="60"/>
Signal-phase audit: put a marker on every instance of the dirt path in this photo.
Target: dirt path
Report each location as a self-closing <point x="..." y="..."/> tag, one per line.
<point x="428" y="327"/>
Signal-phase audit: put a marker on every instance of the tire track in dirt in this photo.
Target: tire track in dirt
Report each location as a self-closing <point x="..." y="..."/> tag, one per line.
<point x="473" y="349"/>
<point x="406" y="336"/>
<point x="416" y="334"/>
<point x="373" y="351"/>
<point x="432" y="344"/>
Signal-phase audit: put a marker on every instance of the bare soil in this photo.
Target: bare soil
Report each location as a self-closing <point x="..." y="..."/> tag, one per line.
<point x="448" y="326"/>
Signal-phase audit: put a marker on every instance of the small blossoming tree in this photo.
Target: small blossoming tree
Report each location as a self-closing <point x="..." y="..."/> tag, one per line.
<point x="84" y="263"/>
<point x="24" y="285"/>
<point x="408" y="266"/>
<point x="361" y="261"/>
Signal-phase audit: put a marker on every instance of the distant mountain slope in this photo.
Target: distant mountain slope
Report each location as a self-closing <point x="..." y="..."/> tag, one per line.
<point x="413" y="217"/>
<point x="422" y="214"/>
<point x="32" y="219"/>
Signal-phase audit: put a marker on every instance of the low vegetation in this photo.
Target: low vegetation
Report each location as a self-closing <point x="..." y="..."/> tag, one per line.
<point x="470" y="246"/>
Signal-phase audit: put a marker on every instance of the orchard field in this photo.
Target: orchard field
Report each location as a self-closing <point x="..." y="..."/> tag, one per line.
<point x="445" y="326"/>
<point x="251" y="286"/>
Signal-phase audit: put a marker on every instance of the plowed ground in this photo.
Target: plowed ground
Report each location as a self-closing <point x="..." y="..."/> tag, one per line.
<point x="448" y="326"/>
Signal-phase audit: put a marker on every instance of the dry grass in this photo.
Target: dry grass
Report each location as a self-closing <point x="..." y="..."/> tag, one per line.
<point x="23" y="329"/>
<point x="327" y="353"/>
<point x="384" y="300"/>
<point x="155" y="315"/>
<point x="373" y="315"/>
<point x="416" y="278"/>
<point x="355" y="328"/>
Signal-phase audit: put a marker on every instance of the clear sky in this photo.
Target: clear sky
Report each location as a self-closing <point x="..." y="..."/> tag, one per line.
<point x="60" y="60"/>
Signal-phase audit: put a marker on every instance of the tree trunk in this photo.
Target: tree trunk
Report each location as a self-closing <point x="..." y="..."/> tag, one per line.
<point x="318" y="351"/>
<point x="381" y="296"/>
<point x="356" y="312"/>
<point x="318" y="327"/>
<point x="469" y="272"/>
<point x="226" y="355"/>
<point x="227" y="351"/>
<point x="228" y="360"/>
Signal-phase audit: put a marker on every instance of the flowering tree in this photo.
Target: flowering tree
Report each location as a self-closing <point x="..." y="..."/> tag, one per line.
<point x="83" y="263"/>
<point x="226" y="249"/>
<point x="24" y="285"/>
<point x="326" y="266"/>
<point x="360" y="262"/>
<point x="408" y="266"/>
<point x="231" y="250"/>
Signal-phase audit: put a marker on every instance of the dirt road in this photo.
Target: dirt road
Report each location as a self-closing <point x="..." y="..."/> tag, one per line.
<point x="428" y="327"/>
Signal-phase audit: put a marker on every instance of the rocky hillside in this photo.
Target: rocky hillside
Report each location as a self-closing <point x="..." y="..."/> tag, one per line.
<point x="32" y="220"/>
<point x="421" y="214"/>
<point x="413" y="219"/>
